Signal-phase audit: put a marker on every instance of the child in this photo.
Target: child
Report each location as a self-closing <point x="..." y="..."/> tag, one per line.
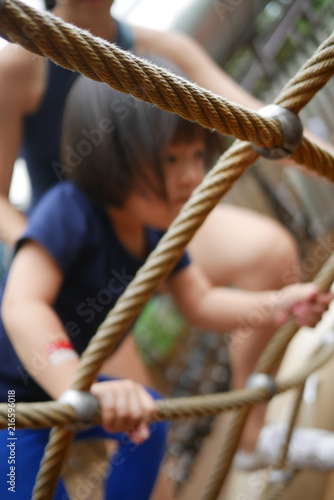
<point x="131" y="168"/>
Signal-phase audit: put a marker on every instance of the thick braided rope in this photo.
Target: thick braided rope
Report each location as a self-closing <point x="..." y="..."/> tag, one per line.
<point x="161" y="261"/>
<point x="217" y="182"/>
<point x="78" y="50"/>
<point x="275" y="489"/>
<point x="315" y="159"/>
<point x="298" y="398"/>
<point x="39" y="415"/>
<point x="100" y="60"/>
<point x="319" y="360"/>
<point x="268" y="360"/>
<point x="312" y="76"/>
<point x="278" y="343"/>
<point x="48" y="414"/>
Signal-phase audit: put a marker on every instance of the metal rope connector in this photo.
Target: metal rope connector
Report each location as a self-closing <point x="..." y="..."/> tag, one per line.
<point x="85" y="405"/>
<point x="261" y="380"/>
<point x="291" y="129"/>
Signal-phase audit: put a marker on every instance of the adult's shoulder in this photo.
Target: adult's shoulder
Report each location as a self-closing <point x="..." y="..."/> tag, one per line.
<point x="22" y="77"/>
<point x="175" y="46"/>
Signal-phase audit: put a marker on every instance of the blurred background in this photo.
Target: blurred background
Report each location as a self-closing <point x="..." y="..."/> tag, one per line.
<point x="261" y="44"/>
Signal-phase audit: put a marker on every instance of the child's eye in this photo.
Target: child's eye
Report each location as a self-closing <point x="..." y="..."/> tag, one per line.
<point x="170" y="159"/>
<point x="199" y="155"/>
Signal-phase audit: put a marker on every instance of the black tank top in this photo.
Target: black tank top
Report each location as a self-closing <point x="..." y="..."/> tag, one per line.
<point x="42" y="130"/>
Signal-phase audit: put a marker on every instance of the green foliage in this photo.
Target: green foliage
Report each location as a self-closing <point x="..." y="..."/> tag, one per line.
<point x="158" y="328"/>
<point x="319" y="4"/>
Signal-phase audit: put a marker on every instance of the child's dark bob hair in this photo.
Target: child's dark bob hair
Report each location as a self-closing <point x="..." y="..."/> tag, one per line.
<point x="112" y="142"/>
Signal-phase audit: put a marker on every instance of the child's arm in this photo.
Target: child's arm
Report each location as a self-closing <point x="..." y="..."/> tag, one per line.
<point x="221" y="309"/>
<point x="31" y="324"/>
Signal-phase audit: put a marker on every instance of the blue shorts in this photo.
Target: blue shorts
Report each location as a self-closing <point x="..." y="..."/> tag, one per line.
<point x="131" y="474"/>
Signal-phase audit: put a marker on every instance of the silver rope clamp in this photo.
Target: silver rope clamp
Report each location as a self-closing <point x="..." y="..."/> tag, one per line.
<point x="263" y="381"/>
<point x="85" y="405"/>
<point x="291" y="129"/>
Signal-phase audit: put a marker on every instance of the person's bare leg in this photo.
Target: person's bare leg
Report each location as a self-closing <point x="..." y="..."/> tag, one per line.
<point x="238" y="247"/>
<point x="241" y="248"/>
<point x="163" y="489"/>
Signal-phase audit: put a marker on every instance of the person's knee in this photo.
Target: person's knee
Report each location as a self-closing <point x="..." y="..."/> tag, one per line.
<point x="282" y="256"/>
<point x="272" y="259"/>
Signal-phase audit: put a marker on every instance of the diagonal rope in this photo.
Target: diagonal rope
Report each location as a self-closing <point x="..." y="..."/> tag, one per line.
<point x="267" y="362"/>
<point x="311" y="77"/>
<point x="315" y="159"/>
<point x="161" y="261"/>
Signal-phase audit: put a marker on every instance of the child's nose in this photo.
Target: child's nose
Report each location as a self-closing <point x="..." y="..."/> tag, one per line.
<point x="192" y="174"/>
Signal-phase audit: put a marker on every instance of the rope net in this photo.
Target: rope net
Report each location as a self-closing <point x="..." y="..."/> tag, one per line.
<point x="78" y="50"/>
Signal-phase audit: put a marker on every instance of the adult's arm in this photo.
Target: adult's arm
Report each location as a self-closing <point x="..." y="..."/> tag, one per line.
<point x="22" y="77"/>
<point x="194" y="61"/>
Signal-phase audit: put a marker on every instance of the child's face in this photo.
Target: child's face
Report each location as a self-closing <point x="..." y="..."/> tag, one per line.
<point x="183" y="170"/>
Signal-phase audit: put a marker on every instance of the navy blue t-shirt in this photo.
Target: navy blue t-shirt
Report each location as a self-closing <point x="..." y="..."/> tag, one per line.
<point x="96" y="267"/>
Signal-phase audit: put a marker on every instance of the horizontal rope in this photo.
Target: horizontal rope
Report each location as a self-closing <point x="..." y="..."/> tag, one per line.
<point x="52" y="413"/>
<point x="78" y="50"/>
